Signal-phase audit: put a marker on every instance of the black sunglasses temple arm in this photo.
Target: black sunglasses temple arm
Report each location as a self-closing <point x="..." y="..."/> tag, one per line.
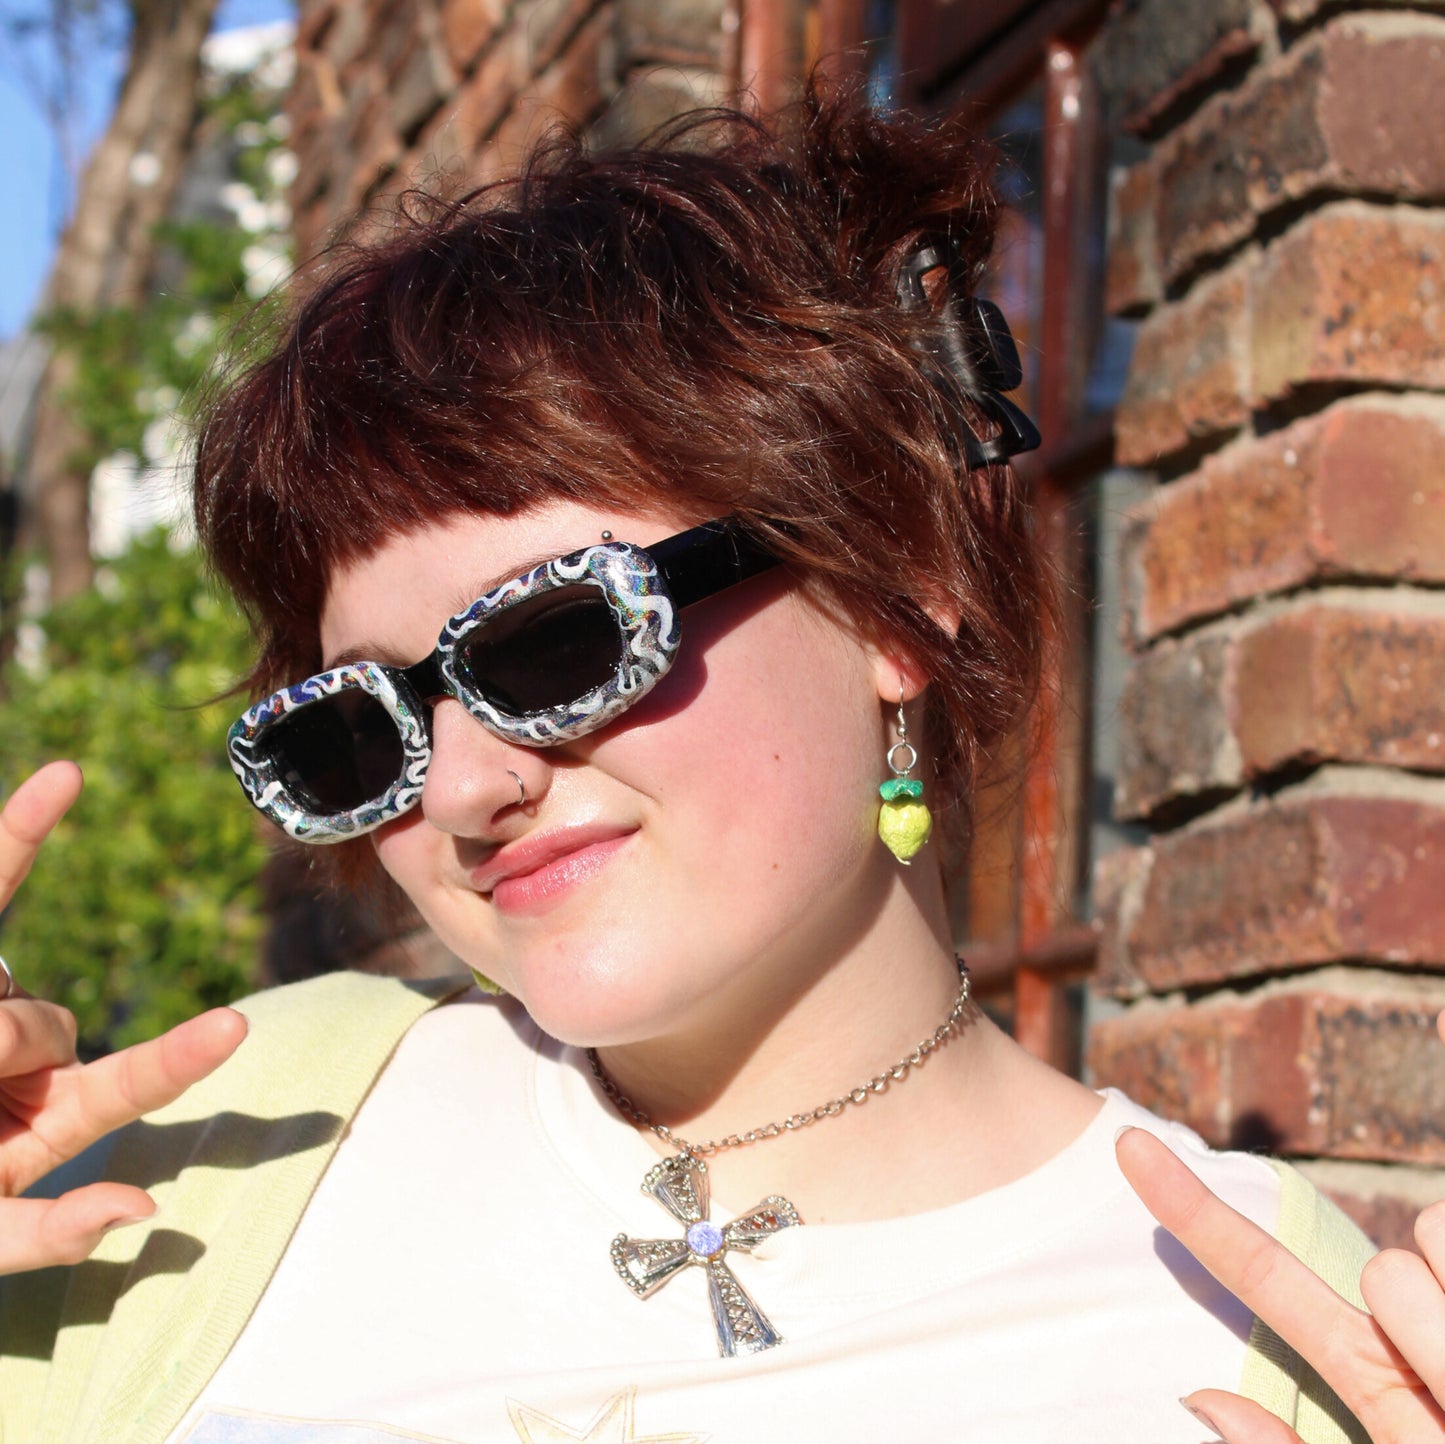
<point x="709" y="558"/>
<point x="694" y="564"/>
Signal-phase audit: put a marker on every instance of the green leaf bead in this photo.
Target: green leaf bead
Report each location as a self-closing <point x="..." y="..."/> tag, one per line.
<point x="900" y="787"/>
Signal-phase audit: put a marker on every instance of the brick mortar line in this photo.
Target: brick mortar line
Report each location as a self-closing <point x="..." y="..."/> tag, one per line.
<point x="1416" y="1183"/>
<point x="1371" y="597"/>
<point x="1236" y="444"/>
<point x="1272" y="69"/>
<point x="1251" y="251"/>
<point x="560" y="46"/>
<point x="1346" y="980"/>
<point x="1329" y="780"/>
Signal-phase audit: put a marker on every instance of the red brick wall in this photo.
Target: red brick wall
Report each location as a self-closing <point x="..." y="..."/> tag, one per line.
<point x="390" y="93"/>
<point x="1280" y="940"/>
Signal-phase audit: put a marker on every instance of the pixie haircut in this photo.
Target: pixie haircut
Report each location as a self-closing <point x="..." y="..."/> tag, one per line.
<point x="709" y="321"/>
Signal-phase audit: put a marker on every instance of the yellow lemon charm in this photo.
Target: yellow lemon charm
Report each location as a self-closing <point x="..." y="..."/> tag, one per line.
<point x="904" y="822"/>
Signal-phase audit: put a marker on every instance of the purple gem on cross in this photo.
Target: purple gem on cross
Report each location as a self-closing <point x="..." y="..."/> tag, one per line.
<point x="705" y="1239"/>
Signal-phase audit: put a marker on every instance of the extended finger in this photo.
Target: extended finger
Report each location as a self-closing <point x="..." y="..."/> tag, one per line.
<point x="41" y="1232"/>
<point x="1297" y="1304"/>
<point x="1406" y="1299"/>
<point x="34" y="1035"/>
<point x="118" y="1089"/>
<point x="29" y="814"/>
<point x="1240" y="1421"/>
<point x="1430" y="1238"/>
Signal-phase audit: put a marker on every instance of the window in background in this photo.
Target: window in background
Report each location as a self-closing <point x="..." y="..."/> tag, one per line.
<point x="1021" y="71"/>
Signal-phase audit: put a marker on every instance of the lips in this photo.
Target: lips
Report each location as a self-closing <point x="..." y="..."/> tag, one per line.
<point x="530" y="874"/>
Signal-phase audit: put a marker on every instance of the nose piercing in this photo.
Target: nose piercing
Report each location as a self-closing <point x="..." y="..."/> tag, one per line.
<point x="521" y="787"/>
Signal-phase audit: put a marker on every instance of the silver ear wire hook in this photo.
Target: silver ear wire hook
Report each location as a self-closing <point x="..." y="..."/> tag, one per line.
<point x="904" y="821"/>
<point x="902" y="769"/>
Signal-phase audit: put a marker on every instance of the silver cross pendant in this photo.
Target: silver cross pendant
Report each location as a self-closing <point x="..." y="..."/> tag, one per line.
<point x="644" y="1265"/>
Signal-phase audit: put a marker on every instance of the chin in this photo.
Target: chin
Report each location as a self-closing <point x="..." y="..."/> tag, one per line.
<point x="587" y="1008"/>
<point x="607" y="1024"/>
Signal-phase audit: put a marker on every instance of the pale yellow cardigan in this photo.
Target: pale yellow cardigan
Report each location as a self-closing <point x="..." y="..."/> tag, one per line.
<point x="115" y="1350"/>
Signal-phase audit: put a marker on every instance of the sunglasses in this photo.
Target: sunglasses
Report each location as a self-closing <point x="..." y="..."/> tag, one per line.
<point x="540" y="660"/>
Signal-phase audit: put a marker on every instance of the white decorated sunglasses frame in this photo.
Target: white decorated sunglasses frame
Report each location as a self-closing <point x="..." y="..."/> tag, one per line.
<point x="644" y="589"/>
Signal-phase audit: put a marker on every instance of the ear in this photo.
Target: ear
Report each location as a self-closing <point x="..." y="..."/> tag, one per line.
<point x="895" y="667"/>
<point x="896" y="675"/>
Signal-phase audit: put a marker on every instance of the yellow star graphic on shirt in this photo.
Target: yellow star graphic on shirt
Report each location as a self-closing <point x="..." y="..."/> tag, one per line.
<point x="612" y="1424"/>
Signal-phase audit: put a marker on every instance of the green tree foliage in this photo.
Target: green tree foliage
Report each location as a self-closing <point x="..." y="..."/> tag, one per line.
<point x="145" y="362"/>
<point x="143" y="907"/>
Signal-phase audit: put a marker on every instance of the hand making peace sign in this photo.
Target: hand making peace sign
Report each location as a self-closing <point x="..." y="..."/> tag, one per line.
<point x="1388" y="1366"/>
<point x="51" y="1106"/>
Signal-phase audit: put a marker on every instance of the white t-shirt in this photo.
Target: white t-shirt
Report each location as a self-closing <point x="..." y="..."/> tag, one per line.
<point x="451" y="1281"/>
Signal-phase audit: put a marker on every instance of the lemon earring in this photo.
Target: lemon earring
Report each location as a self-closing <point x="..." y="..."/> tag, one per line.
<point x="904" y="821"/>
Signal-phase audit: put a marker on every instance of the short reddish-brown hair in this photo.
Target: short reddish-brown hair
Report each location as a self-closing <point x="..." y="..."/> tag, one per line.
<point x="710" y="319"/>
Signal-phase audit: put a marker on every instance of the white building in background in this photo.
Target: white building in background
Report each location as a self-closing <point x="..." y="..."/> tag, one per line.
<point x="130" y="495"/>
<point x="22" y="359"/>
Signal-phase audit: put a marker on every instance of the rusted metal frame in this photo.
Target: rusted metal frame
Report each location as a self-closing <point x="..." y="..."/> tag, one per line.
<point x="986" y="902"/>
<point x="731" y="26"/>
<point x="768" y="56"/>
<point x="1051" y="950"/>
<point x="945" y="55"/>
<point x="1050" y="860"/>
<point x="1039" y="864"/>
<point x="930" y="34"/>
<point x="1084" y="450"/>
<point x="1067" y="953"/>
<point x="840" y="40"/>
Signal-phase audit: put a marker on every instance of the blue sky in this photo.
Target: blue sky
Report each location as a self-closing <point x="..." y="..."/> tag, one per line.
<point x="31" y="170"/>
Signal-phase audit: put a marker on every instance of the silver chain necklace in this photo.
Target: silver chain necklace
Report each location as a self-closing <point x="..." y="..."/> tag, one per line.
<point x="680" y="1185"/>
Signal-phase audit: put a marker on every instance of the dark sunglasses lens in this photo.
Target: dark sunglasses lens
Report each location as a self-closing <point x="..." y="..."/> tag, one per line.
<point x="337" y="753"/>
<point x="544" y="652"/>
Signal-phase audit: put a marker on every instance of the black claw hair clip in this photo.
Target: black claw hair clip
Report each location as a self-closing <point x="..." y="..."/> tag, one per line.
<point x="971" y="358"/>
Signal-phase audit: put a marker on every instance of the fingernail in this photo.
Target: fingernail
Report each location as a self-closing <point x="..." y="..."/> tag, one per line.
<point x="116" y="1223"/>
<point x="1120" y="1132"/>
<point x="1203" y="1418"/>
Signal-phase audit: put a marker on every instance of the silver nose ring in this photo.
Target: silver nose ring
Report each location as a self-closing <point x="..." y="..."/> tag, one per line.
<point x="521" y="794"/>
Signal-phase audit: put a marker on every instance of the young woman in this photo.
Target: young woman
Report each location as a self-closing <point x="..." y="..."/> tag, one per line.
<point x="632" y="528"/>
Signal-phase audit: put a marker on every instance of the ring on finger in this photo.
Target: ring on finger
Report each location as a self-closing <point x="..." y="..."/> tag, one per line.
<point x="7" y="982"/>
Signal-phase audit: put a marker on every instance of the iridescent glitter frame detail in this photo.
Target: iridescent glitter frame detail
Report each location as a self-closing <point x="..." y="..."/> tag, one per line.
<point x="648" y="638"/>
<point x="260" y="777"/>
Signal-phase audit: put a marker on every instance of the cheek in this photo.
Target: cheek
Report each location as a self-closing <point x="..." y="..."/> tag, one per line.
<point x="401" y="848"/>
<point x="780" y="751"/>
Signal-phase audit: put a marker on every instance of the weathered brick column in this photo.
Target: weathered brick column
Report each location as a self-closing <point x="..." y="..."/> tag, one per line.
<point x="394" y="95"/>
<point x="1280" y="940"/>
